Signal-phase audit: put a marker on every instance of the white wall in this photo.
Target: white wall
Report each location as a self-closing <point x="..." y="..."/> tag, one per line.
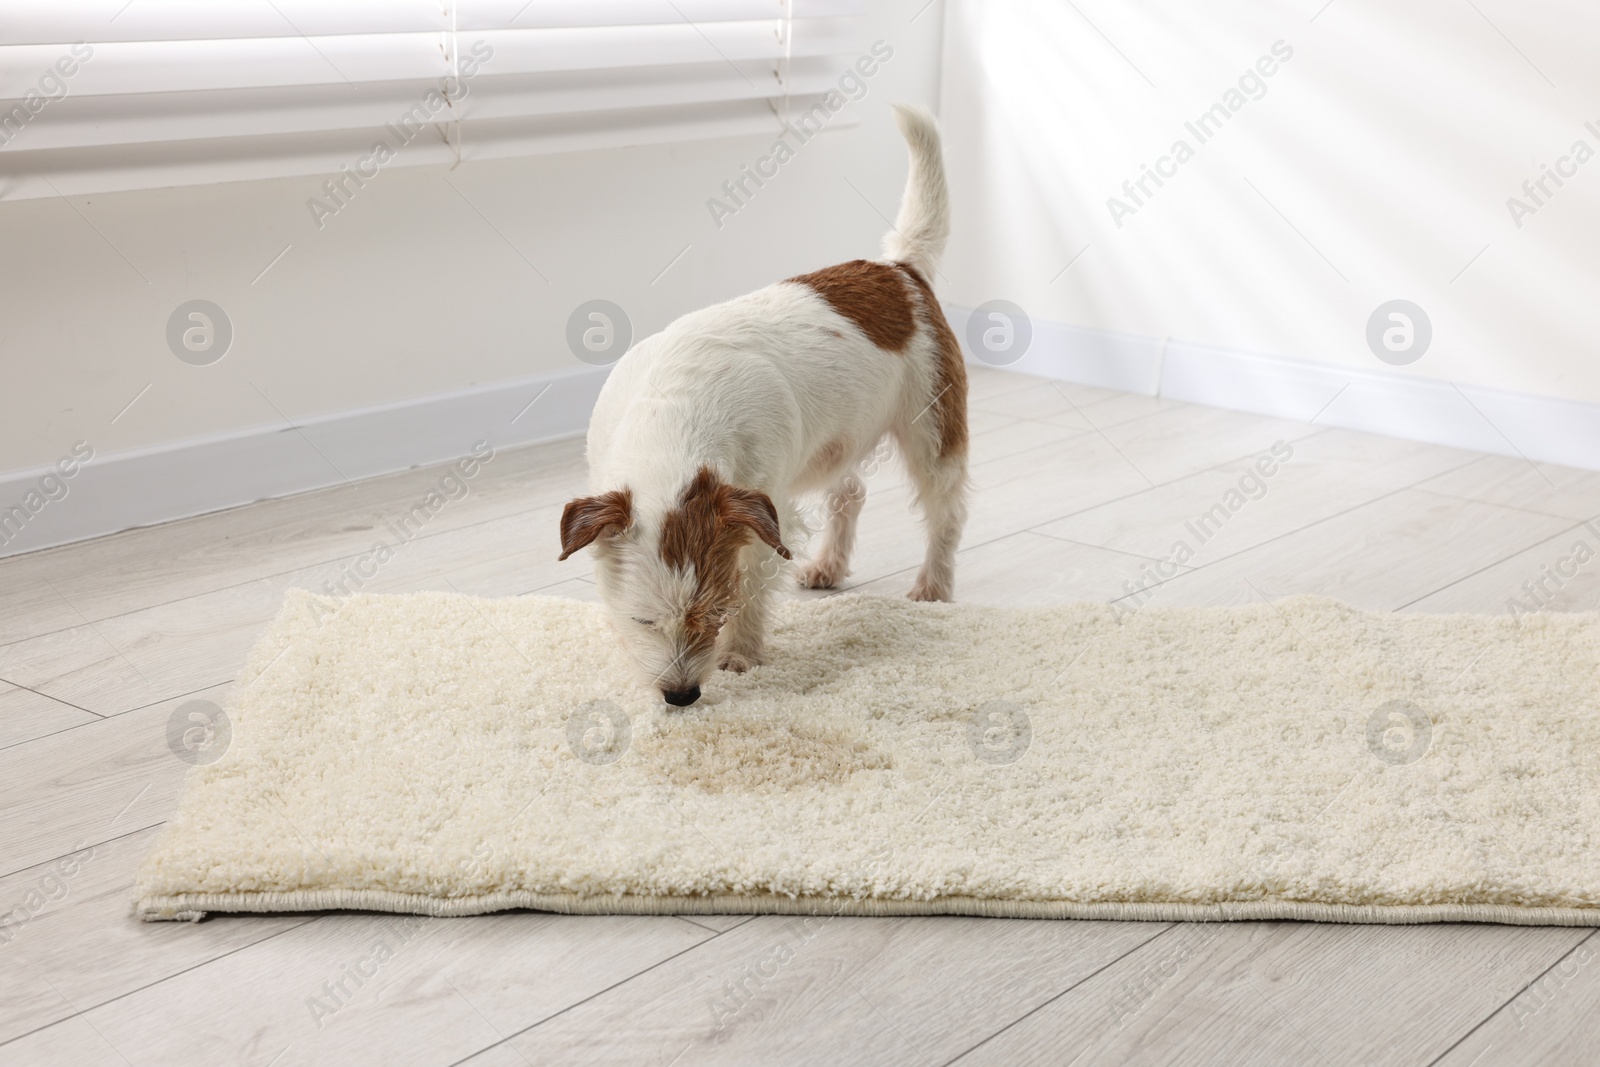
<point x="1390" y="141"/>
<point x="408" y="292"/>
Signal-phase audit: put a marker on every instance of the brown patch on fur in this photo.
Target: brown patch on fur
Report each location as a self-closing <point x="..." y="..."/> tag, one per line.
<point x="589" y="517"/>
<point x="871" y="295"/>
<point x="950" y="374"/>
<point x="826" y="458"/>
<point x="712" y="522"/>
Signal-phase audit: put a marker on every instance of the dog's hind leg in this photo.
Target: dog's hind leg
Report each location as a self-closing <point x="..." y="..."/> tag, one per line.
<point x="832" y="561"/>
<point x="939" y="474"/>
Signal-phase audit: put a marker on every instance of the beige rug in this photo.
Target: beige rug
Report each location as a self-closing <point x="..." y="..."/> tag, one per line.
<point x="449" y="756"/>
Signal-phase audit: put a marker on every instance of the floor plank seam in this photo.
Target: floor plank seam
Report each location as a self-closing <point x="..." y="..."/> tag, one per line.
<point x="112" y="716"/>
<point x="276" y="574"/>
<point x="66" y="729"/>
<point x="1512" y="999"/>
<point x="1280" y="537"/>
<point x="91" y="844"/>
<point x="260" y="578"/>
<point x="1419" y="487"/>
<point x="1035" y="529"/>
<point x="1184" y="568"/>
<point x="1046" y="1003"/>
<point x="108" y="716"/>
<point x="87" y="844"/>
<point x="47" y="696"/>
<point x="1235" y="458"/>
<point x="1162" y="485"/>
<point x="1494" y="564"/>
<point x="158" y="981"/>
<point x="599" y="993"/>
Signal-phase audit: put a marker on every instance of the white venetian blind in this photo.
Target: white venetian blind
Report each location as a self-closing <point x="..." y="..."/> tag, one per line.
<point x="98" y="95"/>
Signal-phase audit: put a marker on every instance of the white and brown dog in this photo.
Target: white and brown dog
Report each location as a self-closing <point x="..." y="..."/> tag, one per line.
<point x="706" y="431"/>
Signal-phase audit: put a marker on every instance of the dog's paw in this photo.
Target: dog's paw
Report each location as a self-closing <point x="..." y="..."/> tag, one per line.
<point x="739" y="662"/>
<point x="925" y="590"/>
<point x="824" y="573"/>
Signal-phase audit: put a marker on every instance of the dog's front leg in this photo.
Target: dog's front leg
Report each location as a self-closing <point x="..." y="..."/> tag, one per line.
<point x="745" y="632"/>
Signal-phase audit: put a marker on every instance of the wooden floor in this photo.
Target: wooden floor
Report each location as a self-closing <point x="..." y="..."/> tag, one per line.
<point x="1077" y="491"/>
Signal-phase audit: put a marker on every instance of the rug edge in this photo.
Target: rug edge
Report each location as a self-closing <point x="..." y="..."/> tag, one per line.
<point x="192" y="907"/>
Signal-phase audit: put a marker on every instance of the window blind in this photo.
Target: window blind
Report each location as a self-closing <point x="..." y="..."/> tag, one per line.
<point x="98" y="95"/>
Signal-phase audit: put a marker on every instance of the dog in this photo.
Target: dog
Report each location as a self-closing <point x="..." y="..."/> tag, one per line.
<point x="705" y="433"/>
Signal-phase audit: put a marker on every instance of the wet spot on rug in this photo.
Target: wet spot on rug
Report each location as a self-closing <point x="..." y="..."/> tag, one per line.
<point x="718" y="755"/>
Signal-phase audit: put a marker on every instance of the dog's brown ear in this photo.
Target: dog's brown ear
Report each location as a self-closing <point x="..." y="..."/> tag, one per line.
<point x="589" y="517"/>
<point x="752" y="508"/>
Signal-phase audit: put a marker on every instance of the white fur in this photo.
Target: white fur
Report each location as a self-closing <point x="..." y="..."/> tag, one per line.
<point x="758" y="389"/>
<point x="921" y="228"/>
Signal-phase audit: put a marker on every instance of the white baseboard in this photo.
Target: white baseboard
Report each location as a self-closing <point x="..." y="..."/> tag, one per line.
<point x="1380" y="401"/>
<point x="122" y="490"/>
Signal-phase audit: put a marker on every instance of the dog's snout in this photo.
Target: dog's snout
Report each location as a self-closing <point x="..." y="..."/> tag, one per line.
<point x="681" y="698"/>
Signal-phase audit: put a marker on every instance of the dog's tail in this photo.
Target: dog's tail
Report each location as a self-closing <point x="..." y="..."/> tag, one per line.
<point x="923" y="224"/>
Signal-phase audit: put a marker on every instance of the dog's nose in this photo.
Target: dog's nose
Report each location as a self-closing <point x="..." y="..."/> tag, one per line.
<point x="681" y="698"/>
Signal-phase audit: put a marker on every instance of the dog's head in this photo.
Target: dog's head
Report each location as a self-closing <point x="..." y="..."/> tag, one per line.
<point x="670" y="581"/>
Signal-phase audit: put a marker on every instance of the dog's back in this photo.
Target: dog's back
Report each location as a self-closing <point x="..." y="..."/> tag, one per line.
<point x="790" y="386"/>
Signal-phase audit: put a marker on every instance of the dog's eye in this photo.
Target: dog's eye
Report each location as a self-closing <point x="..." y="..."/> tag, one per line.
<point x="645" y="622"/>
